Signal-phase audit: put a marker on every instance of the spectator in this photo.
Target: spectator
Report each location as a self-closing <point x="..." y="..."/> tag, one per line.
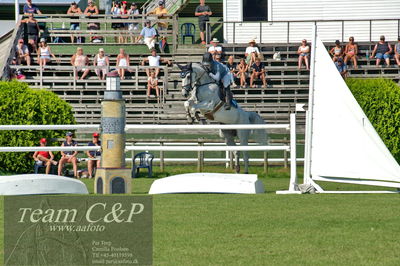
<point x="304" y="54"/>
<point x="152" y="84"/>
<point x="231" y="65"/>
<point x="124" y="26"/>
<point x="91" y="11"/>
<point x="30" y="8"/>
<point x="122" y="63"/>
<point x="258" y="72"/>
<point x="69" y="156"/>
<point x="341" y="67"/>
<point x="160" y="12"/>
<point x="44" y="157"/>
<point x="22" y="53"/>
<point x="133" y="12"/>
<point x="94" y="156"/>
<point x="148" y="34"/>
<point x="75" y="11"/>
<point x="101" y="60"/>
<point x="242" y="72"/>
<point x="154" y="61"/>
<point x="203" y="12"/>
<point x="350" y="52"/>
<point x="382" y="50"/>
<point x="80" y="61"/>
<point x="397" y="51"/>
<point x="337" y="51"/>
<point x="215" y="49"/>
<point x="33" y="30"/>
<point x="251" y="52"/>
<point x="116" y="12"/>
<point x="44" y="53"/>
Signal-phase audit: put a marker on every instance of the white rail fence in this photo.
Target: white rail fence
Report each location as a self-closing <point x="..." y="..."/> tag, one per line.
<point x="180" y="147"/>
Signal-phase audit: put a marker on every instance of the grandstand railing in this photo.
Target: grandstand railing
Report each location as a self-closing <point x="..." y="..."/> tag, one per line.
<point x="295" y="31"/>
<point x="133" y="69"/>
<point x="105" y="21"/>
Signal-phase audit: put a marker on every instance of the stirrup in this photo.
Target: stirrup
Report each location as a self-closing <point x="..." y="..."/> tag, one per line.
<point x="227" y="106"/>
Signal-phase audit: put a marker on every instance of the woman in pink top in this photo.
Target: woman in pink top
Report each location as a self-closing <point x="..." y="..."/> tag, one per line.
<point x="351" y="52"/>
<point x="79" y="61"/>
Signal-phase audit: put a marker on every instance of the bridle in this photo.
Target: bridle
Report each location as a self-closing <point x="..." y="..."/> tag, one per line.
<point x="189" y="87"/>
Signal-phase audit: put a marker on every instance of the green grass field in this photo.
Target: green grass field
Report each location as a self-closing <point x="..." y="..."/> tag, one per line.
<point x="270" y="229"/>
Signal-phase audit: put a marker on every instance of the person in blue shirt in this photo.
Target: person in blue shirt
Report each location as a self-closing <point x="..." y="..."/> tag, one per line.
<point x="94" y="156"/>
<point x="148" y="34"/>
<point x="341" y="67"/>
<point x="30" y="8"/>
<point x="221" y="74"/>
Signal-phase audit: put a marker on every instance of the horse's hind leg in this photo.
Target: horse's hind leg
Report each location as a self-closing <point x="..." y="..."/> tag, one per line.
<point x="229" y="136"/>
<point x="244" y="141"/>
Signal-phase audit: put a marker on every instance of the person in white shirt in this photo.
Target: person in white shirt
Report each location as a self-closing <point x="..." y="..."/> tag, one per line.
<point x="154" y="61"/>
<point x="251" y="52"/>
<point x="215" y="49"/>
<point x="22" y="52"/>
<point x="101" y="60"/>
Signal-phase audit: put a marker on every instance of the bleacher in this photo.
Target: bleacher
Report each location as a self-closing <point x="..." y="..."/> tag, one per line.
<point x="287" y="84"/>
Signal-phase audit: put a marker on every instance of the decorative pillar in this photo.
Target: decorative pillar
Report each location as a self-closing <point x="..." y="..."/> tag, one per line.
<point x="113" y="177"/>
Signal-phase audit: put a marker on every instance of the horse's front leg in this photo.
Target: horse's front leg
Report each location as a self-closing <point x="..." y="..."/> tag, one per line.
<point x="188" y="107"/>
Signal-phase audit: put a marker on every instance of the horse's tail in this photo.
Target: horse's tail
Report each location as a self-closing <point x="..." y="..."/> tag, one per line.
<point x="260" y="135"/>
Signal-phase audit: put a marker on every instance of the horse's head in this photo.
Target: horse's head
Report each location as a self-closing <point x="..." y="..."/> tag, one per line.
<point x="188" y="78"/>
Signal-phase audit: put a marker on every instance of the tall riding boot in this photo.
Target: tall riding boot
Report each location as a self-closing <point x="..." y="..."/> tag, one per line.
<point x="228" y="98"/>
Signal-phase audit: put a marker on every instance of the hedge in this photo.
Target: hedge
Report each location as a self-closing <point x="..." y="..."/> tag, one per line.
<point x="380" y="100"/>
<point x="21" y="105"/>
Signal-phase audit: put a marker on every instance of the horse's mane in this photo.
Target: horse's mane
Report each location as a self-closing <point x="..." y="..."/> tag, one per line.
<point x="200" y="67"/>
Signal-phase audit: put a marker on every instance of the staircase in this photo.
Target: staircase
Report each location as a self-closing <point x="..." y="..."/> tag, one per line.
<point x="173" y="6"/>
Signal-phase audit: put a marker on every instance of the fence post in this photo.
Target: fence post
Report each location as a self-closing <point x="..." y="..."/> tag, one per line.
<point x="234" y="32"/>
<point x="342" y="30"/>
<point x="288" y="32"/>
<point x="161" y="158"/>
<point x="175" y="32"/>
<point x="200" y="156"/>
<point x="165" y="87"/>
<point x="265" y="162"/>
<point x="285" y="155"/>
<point x="137" y="77"/>
<point x="74" y="69"/>
<point x="41" y="77"/>
<point x="293" y="162"/>
<point x="370" y="30"/>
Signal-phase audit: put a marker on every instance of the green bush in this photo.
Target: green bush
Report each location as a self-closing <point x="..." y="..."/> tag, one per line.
<point x="380" y="100"/>
<point x="21" y="105"/>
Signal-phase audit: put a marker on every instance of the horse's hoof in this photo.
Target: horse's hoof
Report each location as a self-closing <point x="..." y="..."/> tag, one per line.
<point x="237" y="169"/>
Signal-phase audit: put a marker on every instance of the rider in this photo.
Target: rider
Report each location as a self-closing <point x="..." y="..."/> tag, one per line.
<point x="219" y="73"/>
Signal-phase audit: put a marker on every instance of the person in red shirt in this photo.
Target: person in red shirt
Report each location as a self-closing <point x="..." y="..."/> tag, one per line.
<point x="44" y="157"/>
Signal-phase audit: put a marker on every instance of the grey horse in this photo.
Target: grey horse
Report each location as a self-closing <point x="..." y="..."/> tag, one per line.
<point x="204" y="97"/>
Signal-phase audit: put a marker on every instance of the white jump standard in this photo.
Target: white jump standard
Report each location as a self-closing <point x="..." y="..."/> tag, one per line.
<point x="341" y="143"/>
